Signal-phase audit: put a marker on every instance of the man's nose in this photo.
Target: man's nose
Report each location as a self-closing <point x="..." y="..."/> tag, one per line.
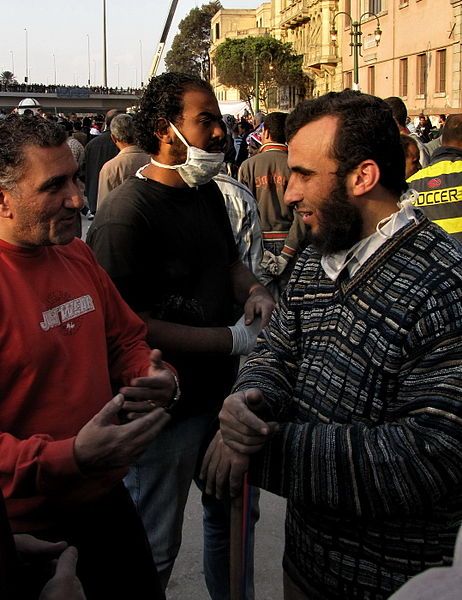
<point x="74" y="198"/>
<point x="292" y="195"/>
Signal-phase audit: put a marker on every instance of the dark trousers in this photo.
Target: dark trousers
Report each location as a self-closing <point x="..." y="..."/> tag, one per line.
<point x="115" y="560"/>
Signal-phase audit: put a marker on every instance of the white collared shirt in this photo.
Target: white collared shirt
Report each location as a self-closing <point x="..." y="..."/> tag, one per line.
<point x="355" y="257"/>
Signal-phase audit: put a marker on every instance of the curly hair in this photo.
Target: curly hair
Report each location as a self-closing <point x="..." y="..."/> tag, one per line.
<point x="163" y="99"/>
<point x="366" y="130"/>
<point x="16" y="133"/>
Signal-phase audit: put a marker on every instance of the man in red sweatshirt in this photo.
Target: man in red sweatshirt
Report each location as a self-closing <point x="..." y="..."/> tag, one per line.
<point x="67" y="341"/>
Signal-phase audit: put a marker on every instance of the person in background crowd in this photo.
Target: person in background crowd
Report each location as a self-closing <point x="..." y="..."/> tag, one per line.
<point x="79" y="134"/>
<point x="127" y="162"/>
<point x="435" y="143"/>
<point x="411" y="154"/>
<point x="399" y="111"/>
<point x="423" y="128"/>
<point x="266" y="174"/>
<point x="440" y="183"/>
<point x="97" y="152"/>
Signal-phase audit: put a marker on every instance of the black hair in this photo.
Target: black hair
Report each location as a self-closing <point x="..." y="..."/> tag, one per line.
<point x="17" y="132"/>
<point x="366" y="130"/>
<point x="275" y="124"/>
<point x="398" y="109"/>
<point x="452" y="132"/>
<point x="163" y="99"/>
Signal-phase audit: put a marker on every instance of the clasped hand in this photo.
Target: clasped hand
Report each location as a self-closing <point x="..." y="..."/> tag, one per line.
<point x="146" y="393"/>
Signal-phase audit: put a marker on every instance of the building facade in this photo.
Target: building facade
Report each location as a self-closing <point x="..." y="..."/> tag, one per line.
<point x="236" y="23"/>
<point x="417" y="56"/>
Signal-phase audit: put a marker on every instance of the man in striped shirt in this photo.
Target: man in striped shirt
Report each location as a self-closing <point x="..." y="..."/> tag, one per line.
<point x="350" y="404"/>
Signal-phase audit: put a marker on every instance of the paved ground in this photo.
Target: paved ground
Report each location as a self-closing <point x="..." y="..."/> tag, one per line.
<point x="187" y="579"/>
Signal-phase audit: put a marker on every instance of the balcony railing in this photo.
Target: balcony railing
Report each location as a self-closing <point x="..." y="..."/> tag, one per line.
<point x="294" y="15"/>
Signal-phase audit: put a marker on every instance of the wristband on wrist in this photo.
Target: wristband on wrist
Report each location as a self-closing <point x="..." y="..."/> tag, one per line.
<point x="176" y="396"/>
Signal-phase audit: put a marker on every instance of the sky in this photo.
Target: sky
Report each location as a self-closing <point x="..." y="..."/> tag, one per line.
<point x="65" y="39"/>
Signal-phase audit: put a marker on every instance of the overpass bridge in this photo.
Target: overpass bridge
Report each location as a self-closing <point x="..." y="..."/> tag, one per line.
<point x="78" y="100"/>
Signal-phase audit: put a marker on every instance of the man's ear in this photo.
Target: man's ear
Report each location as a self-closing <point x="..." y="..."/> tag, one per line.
<point x="363" y="178"/>
<point x="163" y="131"/>
<point x="5" y="210"/>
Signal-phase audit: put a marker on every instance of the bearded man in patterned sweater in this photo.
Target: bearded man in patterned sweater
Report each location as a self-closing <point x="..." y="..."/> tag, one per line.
<point x="350" y="405"/>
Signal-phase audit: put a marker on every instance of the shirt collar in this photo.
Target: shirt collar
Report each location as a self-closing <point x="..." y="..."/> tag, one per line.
<point x="354" y="257"/>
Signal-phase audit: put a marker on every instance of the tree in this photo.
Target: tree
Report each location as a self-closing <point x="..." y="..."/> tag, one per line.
<point x="278" y="66"/>
<point x="190" y="47"/>
<point x="7" y="78"/>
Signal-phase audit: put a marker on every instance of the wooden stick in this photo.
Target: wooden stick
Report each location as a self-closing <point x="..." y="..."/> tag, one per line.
<point x="235" y="551"/>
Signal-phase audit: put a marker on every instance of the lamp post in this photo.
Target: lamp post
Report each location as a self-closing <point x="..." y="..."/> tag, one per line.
<point x="104" y="46"/>
<point x="88" y="57"/>
<point x="141" y="63"/>
<point x="54" y="67"/>
<point x="26" y="77"/>
<point x="12" y="61"/>
<point x="257" y="57"/>
<point x="356" y="39"/>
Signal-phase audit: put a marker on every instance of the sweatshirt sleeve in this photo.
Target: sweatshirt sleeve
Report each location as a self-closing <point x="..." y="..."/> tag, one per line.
<point x="38" y="464"/>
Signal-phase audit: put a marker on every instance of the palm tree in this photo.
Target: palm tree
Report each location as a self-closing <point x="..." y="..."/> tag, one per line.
<point x="7" y="78"/>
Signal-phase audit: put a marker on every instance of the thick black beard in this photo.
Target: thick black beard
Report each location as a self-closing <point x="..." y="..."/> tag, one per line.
<point x="340" y="223"/>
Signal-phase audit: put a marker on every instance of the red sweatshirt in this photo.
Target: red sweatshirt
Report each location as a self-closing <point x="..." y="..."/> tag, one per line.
<point x="65" y="336"/>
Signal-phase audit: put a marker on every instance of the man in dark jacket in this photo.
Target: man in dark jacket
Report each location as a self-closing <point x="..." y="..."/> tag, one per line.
<point x="440" y="183"/>
<point x="97" y="152"/>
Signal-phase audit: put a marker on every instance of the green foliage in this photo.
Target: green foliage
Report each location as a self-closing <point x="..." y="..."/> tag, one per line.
<point x="7" y="78"/>
<point x="236" y="62"/>
<point x="189" y="52"/>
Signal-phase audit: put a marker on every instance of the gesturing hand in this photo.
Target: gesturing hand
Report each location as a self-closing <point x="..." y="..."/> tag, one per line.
<point x="104" y="444"/>
<point x="145" y="393"/>
<point x="260" y="303"/>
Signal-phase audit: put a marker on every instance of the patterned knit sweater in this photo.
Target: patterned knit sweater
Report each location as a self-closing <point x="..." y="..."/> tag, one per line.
<point x="365" y="377"/>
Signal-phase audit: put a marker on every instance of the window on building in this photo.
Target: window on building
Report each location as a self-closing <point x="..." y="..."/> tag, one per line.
<point x="217" y="31"/>
<point x="403" y="2"/>
<point x="375" y="6"/>
<point x="421" y="74"/>
<point x="403" y="76"/>
<point x="440" y="71"/>
<point x="348" y="80"/>
<point x="371" y="80"/>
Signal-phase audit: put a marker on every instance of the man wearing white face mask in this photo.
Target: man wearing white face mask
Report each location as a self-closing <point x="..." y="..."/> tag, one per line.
<point x="165" y="239"/>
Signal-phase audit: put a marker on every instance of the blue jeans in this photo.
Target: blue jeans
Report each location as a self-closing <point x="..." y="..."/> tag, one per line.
<point x="159" y="485"/>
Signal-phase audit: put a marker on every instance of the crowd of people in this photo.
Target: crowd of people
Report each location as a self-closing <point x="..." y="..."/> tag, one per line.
<point x="273" y="304"/>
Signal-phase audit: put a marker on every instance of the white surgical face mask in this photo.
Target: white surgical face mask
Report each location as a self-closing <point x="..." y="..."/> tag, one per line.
<point x="200" y="166"/>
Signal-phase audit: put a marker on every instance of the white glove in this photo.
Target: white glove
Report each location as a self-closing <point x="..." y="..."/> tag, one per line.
<point x="244" y="336"/>
<point x="273" y="264"/>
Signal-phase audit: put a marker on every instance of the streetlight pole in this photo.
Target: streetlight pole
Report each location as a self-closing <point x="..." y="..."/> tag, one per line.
<point x="54" y="67"/>
<point x="88" y="56"/>
<point x="12" y="61"/>
<point x="258" y="56"/>
<point x="356" y="39"/>
<point x="104" y="46"/>
<point x="141" y="64"/>
<point x="26" y="77"/>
